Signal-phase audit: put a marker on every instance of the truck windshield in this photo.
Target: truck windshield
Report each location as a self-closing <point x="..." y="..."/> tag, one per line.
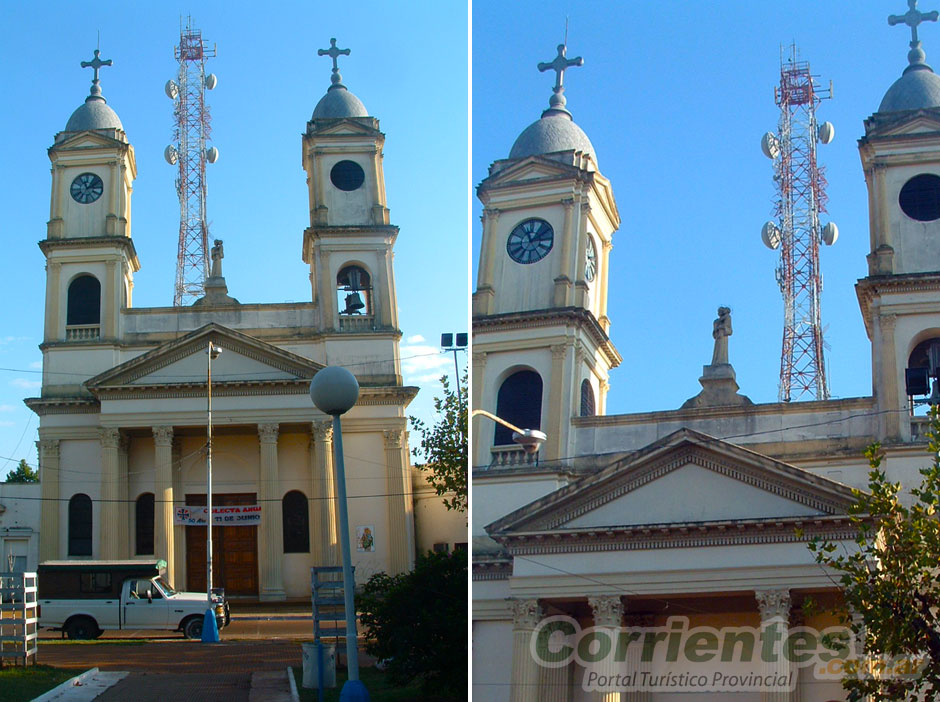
<point x="165" y="587"/>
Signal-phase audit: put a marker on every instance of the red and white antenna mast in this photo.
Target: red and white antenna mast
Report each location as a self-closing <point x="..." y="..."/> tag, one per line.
<point x="190" y="155"/>
<point x="801" y="198"/>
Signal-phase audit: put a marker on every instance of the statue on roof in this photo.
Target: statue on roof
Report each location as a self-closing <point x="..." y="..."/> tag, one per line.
<point x="721" y="330"/>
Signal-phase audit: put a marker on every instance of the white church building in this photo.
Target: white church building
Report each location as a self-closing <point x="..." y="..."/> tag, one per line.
<point x="628" y="520"/>
<point x="123" y="406"/>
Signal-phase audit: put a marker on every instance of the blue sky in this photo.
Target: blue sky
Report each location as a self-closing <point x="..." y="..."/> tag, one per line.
<point x="675" y="98"/>
<point x="408" y="66"/>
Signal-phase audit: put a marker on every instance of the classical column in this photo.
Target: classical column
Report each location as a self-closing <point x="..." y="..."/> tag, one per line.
<point x="110" y="513"/>
<point x="53" y="311"/>
<point x="481" y="446"/>
<point x="49" y="508"/>
<point x="555" y="683"/>
<point x="892" y="399"/>
<point x="179" y="530"/>
<point x="400" y="507"/>
<point x="608" y="612"/>
<point x="272" y="537"/>
<point x="328" y="527"/>
<point x="124" y="545"/>
<point x="568" y="272"/>
<point x="558" y="413"/>
<point x="163" y="532"/>
<point x="774" y="606"/>
<point x="525" y="669"/>
<point x="633" y="663"/>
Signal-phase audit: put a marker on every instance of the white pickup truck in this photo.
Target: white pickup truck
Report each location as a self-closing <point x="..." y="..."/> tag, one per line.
<point x="83" y="599"/>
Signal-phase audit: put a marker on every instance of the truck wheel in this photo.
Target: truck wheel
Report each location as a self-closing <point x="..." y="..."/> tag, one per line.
<point x="82" y="629"/>
<point x="192" y="628"/>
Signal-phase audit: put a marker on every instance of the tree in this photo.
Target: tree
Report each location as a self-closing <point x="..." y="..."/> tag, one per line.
<point x="891" y="581"/>
<point x="417" y="623"/>
<point x="22" y="474"/>
<point x="443" y="446"/>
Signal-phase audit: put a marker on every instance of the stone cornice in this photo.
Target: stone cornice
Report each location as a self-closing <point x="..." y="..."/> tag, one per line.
<point x="85" y="242"/>
<point x="737" y="532"/>
<point x="867" y="289"/>
<point x="63" y="405"/>
<point x="577" y="317"/>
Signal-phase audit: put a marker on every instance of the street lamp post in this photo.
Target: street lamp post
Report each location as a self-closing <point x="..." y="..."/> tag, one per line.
<point x="528" y="439"/>
<point x="334" y="391"/>
<point x="210" y="629"/>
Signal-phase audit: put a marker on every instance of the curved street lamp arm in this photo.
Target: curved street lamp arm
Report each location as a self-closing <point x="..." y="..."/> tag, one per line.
<point x="497" y="420"/>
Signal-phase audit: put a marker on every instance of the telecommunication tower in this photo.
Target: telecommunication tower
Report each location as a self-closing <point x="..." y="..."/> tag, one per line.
<point x="190" y="155"/>
<point x="801" y="198"/>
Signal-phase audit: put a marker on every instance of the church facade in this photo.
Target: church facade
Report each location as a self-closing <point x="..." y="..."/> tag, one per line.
<point x="123" y="405"/>
<point x="649" y="520"/>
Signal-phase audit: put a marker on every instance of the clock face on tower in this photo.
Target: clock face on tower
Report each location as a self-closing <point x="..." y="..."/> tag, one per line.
<point x="590" y="261"/>
<point x="530" y="241"/>
<point x="86" y="188"/>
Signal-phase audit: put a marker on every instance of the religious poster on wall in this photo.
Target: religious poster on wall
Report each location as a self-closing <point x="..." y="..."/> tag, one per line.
<point x="365" y="538"/>
<point x="222" y="515"/>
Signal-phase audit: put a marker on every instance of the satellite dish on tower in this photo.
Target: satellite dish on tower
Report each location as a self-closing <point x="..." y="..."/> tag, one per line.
<point x="211" y="81"/>
<point x="171" y="89"/>
<point x="830" y="234"/>
<point x="171" y="155"/>
<point x="770" y="235"/>
<point x="826" y="132"/>
<point x="769" y="145"/>
<point x="212" y="154"/>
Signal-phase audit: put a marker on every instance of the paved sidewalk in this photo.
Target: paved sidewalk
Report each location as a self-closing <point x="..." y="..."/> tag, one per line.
<point x="184" y="670"/>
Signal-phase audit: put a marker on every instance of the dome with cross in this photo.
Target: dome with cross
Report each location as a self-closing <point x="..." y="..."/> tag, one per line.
<point x="94" y="113"/>
<point x="556" y="130"/>
<point x="338" y="102"/>
<point x="918" y="87"/>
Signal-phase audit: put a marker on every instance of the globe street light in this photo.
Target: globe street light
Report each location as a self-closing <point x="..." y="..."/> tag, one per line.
<point x="334" y="391"/>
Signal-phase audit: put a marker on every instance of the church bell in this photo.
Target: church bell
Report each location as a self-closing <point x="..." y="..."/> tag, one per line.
<point x="354" y="303"/>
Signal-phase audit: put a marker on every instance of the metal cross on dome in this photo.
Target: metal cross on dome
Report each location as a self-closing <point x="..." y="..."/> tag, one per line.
<point x="334" y="53"/>
<point x="95" y="63"/>
<point x="560" y="64"/>
<point x="912" y="18"/>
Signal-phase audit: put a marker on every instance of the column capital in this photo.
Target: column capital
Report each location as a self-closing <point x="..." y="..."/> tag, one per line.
<point x="393" y="438"/>
<point x="163" y="436"/>
<point x="322" y="430"/>
<point x="526" y="614"/>
<point x="888" y="323"/>
<point x="773" y="604"/>
<point x="479" y="358"/>
<point x="491" y="213"/>
<point x="568" y="204"/>
<point x="558" y="350"/>
<point x="48" y="448"/>
<point x="268" y="433"/>
<point x="607" y="610"/>
<point x="110" y="437"/>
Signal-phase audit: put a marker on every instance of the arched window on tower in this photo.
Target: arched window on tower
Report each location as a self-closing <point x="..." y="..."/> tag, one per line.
<point x="353" y="291"/>
<point x="296" y="522"/>
<point x="84" y="305"/>
<point x="921" y="371"/>
<point x="80" y="525"/>
<point x="143" y="524"/>
<point x="519" y="402"/>
<point x="588" y="408"/>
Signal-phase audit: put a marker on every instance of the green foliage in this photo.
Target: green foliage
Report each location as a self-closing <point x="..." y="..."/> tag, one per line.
<point x="443" y="446"/>
<point x="22" y="474"/>
<point x="417" y="622"/>
<point x="891" y="581"/>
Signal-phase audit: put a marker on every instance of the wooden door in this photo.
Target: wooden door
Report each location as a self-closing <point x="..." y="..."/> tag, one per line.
<point x="234" y="550"/>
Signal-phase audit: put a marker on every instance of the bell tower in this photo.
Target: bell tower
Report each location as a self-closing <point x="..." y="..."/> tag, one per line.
<point x="541" y="348"/>
<point x="348" y="244"/>
<point x="900" y="297"/>
<point x="90" y="257"/>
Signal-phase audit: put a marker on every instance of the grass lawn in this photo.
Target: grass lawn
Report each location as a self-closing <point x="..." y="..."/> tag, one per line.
<point x="19" y="684"/>
<point x="379" y="688"/>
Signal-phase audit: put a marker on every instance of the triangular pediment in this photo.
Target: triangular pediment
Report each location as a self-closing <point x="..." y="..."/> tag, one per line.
<point x="531" y="168"/>
<point x="914" y="122"/>
<point x="685" y="478"/>
<point x="87" y="140"/>
<point x="351" y="126"/>
<point x="183" y="361"/>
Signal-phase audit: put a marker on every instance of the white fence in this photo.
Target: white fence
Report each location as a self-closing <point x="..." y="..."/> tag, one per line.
<point x="19" y="618"/>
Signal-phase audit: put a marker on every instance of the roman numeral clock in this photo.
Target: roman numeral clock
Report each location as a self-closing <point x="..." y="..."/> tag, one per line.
<point x="530" y="241"/>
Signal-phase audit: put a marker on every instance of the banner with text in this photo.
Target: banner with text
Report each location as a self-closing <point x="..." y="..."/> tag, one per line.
<point x="222" y="515"/>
